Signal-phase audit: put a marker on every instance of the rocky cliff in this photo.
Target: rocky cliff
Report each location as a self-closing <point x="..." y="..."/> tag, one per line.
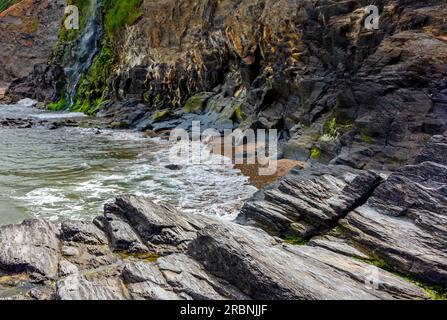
<point x="366" y="109"/>
<point x="28" y="33"/>
<point x="337" y="92"/>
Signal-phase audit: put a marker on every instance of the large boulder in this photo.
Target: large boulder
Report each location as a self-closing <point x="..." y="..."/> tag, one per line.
<point x="30" y="247"/>
<point x="309" y="201"/>
<point x="404" y="222"/>
<point x="263" y="268"/>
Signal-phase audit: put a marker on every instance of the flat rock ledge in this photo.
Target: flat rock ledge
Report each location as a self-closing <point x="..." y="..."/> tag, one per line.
<point x="142" y="250"/>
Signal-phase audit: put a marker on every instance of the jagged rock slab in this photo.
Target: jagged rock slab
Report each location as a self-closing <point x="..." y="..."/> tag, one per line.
<point x="121" y="234"/>
<point x="337" y="242"/>
<point x="264" y="269"/>
<point x="405" y="221"/>
<point x="82" y="231"/>
<point x="32" y="246"/>
<point x="223" y="260"/>
<point x="308" y="201"/>
<point x="91" y="286"/>
<point x="190" y="279"/>
<point x="159" y="226"/>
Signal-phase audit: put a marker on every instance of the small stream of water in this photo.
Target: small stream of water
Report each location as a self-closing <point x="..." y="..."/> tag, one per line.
<point x="86" y="48"/>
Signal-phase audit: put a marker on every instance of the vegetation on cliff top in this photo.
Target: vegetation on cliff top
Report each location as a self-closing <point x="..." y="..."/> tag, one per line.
<point x="118" y="13"/>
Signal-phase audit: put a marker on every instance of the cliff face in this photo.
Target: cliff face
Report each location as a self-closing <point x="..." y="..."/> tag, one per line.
<point x="28" y="33"/>
<point x="336" y="91"/>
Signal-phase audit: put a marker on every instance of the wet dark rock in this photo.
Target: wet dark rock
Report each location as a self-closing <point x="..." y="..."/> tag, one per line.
<point x="32" y="246"/>
<point x="81" y="231"/>
<point x="307" y="202"/>
<point x="43" y="84"/>
<point x="173" y="167"/>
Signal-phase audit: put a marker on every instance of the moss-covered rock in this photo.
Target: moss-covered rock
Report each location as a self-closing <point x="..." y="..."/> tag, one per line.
<point x="160" y="115"/>
<point x="196" y="104"/>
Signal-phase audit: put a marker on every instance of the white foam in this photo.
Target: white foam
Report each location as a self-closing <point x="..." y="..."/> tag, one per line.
<point x="26" y="103"/>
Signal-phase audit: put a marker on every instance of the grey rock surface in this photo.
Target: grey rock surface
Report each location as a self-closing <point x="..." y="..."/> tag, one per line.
<point x="404" y="222"/>
<point x="262" y="268"/>
<point x="222" y="260"/>
<point x="32" y="246"/>
<point x="82" y="231"/>
<point x="307" y="202"/>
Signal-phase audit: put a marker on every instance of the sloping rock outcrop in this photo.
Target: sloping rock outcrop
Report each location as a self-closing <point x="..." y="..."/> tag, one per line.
<point x="404" y="222"/>
<point x="28" y="34"/>
<point x="399" y="222"/>
<point x="32" y="246"/>
<point x="218" y="260"/>
<point x="307" y="202"/>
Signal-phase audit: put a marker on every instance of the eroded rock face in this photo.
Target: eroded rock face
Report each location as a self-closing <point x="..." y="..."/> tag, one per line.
<point x="220" y="260"/>
<point x="31" y="247"/>
<point x="44" y="84"/>
<point x="28" y="34"/>
<point x="404" y="222"/>
<point x="364" y="98"/>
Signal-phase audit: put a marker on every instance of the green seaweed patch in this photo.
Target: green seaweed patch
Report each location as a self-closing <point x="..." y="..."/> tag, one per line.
<point x="147" y="257"/>
<point x="295" y="240"/>
<point x="330" y="127"/>
<point x="238" y="115"/>
<point x="61" y="104"/>
<point x="12" y="281"/>
<point x="119" y="125"/>
<point x="194" y="104"/>
<point x="333" y="128"/>
<point x="315" y="153"/>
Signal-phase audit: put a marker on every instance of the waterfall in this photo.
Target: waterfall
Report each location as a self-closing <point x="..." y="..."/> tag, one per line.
<point x="86" y="48"/>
